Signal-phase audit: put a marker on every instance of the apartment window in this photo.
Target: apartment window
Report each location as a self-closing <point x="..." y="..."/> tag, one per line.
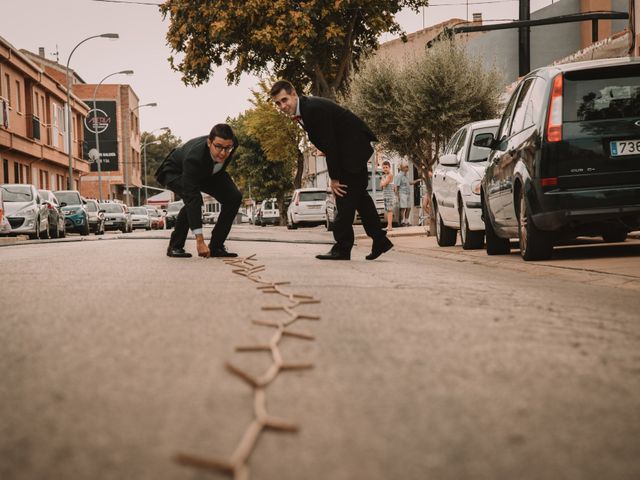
<point x="7" y="88"/>
<point x="44" y="179"/>
<point x="16" y="172"/>
<point x="5" y="171"/>
<point x="57" y="125"/>
<point x="18" y="97"/>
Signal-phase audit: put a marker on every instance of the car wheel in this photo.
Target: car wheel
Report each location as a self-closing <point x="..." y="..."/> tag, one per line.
<point x="471" y="239"/>
<point x="291" y="225"/>
<point x="445" y="236"/>
<point x="614" y="236"/>
<point x="84" y="230"/>
<point x="44" y="234"/>
<point x="63" y="231"/>
<point x="55" y="231"/>
<point x="535" y="244"/>
<point x="495" y="244"/>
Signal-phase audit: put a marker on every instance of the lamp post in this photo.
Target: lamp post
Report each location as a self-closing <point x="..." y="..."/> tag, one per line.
<point x="95" y="128"/>
<point x="69" y="140"/>
<point x="144" y="159"/>
<point x="126" y="165"/>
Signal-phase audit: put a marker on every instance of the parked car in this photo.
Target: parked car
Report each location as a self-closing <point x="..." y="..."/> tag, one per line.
<point x="172" y="212"/>
<point x="57" y="228"/>
<point x="566" y="160"/>
<point x="76" y="217"/>
<point x="140" y="218"/>
<point x="157" y="221"/>
<point x="456" y="186"/>
<point x="116" y="217"/>
<point x="5" y="226"/>
<point x="269" y="212"/>
<point x="308" y="206"/>
<point x="25" y="211"/>
<point x="96" y="216"/>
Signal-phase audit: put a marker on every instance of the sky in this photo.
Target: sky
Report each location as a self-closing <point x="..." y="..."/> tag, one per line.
<point x="59" y="25"/>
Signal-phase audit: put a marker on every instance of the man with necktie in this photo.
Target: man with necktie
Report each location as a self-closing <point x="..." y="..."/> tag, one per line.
<point x="199" y="166"/>
<point x="346" y="142"/>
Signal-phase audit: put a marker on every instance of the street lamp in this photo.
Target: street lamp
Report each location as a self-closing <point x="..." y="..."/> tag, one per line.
<point x="144" y="158"/>
<point x="69" y="140"/>
<point x="126" y="165"/>
<point x="95" y="129"/>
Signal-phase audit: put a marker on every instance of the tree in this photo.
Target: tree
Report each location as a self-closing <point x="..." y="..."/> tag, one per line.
<point x="316" y="42"/>
<point x="279" y="137"/>
<point x="255" y="174"/>
<point x="414" y="108"/>
<point x="157" y="152"/>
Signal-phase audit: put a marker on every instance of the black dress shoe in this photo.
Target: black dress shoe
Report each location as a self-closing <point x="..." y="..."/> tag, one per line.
<point x="221" y="252"/>
<point x="379" y="248"/>
<point x="334" y="255"/>
<point x="177" y="252"/>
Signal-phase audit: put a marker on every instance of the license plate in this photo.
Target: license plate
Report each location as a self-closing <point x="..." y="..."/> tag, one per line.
<point x="620" y="148"/>
<point x="314" y="206"/>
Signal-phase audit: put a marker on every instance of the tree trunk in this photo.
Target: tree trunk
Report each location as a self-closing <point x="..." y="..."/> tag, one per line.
<point x="297" y="181"/>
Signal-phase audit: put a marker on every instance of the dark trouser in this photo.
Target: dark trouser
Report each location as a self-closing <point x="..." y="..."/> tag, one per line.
<point x="356" y="199"/>
<point x="221" y="187"/>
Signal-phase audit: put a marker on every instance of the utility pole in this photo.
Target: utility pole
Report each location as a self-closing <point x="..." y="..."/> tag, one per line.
<point x="524" y="44"/>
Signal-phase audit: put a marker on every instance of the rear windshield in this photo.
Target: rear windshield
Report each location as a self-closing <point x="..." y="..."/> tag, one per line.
<point x="112" y="208"/>
<point x="608" y="98"/>
<point x="313" y="196"/>
<point x="70" y="198"/>
<point x="91" y="206"/>
<point x="17" y="193"/>
<point x="139" y="211"/>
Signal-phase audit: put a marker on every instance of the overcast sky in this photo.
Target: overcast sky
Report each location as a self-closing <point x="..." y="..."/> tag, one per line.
<point x="58" y="25"/>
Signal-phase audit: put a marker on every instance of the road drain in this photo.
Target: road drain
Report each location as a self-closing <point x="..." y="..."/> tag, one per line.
<point x="237" y="464"/>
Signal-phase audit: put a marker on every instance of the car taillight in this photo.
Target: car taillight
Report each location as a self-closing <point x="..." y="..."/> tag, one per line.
<point x="554" y="120"/>
<point x="549" y="182"/>
<point x="50" y="206"/>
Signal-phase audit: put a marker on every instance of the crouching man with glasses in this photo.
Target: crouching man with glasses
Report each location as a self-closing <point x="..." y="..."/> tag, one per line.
<point x="199" y="166"/>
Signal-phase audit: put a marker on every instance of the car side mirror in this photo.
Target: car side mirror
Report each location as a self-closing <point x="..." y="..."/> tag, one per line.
<point x="101" y="211"/>
<point x="449" y="160"/>
<point x="63" y="204"/>
<point x="483" y="140"/>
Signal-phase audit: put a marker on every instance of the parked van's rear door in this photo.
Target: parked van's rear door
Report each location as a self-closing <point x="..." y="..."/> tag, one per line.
<point x="601" y="128"/>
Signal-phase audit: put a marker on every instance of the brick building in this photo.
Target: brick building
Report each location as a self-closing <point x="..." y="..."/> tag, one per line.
<point x="119" y="134"/>
<point x="33" y="131"/>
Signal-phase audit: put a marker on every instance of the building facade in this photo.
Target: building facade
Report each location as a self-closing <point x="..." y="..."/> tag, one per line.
<point x="116" y="119"/>
<point x="34" y="146"/>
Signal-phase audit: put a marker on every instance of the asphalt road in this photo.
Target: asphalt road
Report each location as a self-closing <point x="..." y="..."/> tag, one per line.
<point x="428" y="364"/>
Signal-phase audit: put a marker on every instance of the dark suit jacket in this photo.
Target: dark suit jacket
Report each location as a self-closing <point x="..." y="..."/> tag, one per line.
<point x="342" y="136"/>
<point x="192" y="164"/>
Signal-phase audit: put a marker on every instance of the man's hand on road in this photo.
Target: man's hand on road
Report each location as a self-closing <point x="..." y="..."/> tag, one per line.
<point x="203" y="249"/>
<point x="338" y="189"/>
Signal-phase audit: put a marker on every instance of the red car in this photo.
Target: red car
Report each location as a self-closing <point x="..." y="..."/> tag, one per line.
<point x="157" y="221"/>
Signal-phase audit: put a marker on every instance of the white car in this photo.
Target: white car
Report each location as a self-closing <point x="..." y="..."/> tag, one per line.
<point x="25" y="210"/>
<point x="140" y="218"/>
<point x="456" y="186"/>
<point x="308" y="205"/>
<point x="5" y="226"/>
<point x="269" y="212"/>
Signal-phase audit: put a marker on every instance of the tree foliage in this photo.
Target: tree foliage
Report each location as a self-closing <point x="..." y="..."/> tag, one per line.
<point x="316" y="42"/>
<point x="157" y="152"/>
<point x="279" y="137"/>
<point x="256" y="176"/>
<point x="414" y="108"/>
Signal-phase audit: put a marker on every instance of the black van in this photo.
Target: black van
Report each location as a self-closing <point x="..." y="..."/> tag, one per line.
<point x="566" y="159"/>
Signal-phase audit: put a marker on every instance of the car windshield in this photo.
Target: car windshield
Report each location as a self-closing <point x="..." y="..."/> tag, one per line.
<point x="17" y="193"/>
<point x="70" y="198"/>
<point x="46" y="195"/>
<point x="139" y="210"/>
<point x="601" y="98"/>
<point x="153" y="213"/>
<point x="92" y="206"/>
<point x="112" y="208"/>
<point x="480" y="154"/>
<point x="313" y="196"/>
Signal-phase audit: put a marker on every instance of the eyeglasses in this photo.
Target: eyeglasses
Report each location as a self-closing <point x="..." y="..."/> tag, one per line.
<point x="222" y="148"/>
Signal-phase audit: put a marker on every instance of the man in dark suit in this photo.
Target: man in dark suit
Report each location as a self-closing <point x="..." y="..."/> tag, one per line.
<point x="346" y="142"/>
<point x="199" y="166"/>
